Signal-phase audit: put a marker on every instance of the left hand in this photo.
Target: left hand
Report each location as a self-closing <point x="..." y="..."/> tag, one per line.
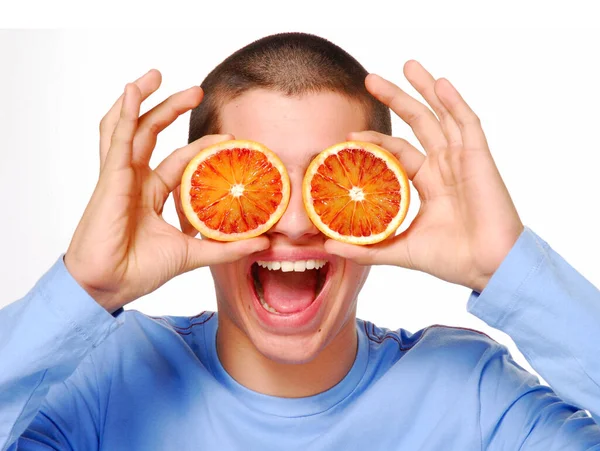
<point x="467" y="222"/>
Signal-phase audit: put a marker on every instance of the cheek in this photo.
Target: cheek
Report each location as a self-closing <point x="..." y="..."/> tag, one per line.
<point x="353" y="279"/>
<point x="228" y="285"/>
<point x="342" y="305"/>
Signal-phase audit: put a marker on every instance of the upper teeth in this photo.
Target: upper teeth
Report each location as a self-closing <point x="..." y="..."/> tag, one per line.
<point x="296" y="265"/>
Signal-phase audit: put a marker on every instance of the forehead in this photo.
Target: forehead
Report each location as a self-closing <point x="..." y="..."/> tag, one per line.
<point x="295" y="127"/>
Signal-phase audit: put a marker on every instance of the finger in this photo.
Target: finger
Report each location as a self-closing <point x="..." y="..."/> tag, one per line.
<point x="171" y="168"/>
<point x="119" y="153"/>
<point x="424" y="83"/>
<point x="147" y="84"/>
<point x="185" y="225"/>
<point x="392" y="251"/>
<point x="466" y="119"/>
<point x="410" y="157"/>
<point x="159" y="118"/>
<point x="204" y="252"/>
<point x="421" y="119"/>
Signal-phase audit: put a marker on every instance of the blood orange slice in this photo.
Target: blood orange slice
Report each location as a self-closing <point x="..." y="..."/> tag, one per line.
<point x="356" y="192"/>
<point x="234" y="190"/>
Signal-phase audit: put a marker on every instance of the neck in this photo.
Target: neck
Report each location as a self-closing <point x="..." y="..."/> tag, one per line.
<point x="253" y="370"/>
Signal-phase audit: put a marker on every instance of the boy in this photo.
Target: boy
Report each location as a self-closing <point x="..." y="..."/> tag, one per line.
<point x="88" y="375"/>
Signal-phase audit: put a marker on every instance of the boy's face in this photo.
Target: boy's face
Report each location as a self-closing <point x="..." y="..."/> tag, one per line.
<point x="315" y="305"/>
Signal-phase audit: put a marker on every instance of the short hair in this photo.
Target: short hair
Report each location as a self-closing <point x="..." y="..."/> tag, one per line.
<point x="290" y="63"/>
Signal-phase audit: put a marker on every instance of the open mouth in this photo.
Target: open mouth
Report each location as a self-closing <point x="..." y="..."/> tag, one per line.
<point x="288" y="287"/>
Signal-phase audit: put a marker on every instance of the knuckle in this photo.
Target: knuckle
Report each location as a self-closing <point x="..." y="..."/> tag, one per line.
<point x="458" y="157"/>
<point x="438" y="147"/>
<point x="179" y="156"/>
<point x="417" y="116"/>
<point x="174" y="108"/>
<point x="475" y="119"/>
<point x="371" y="136"/>
<point x="443" y="114"/>
<point x="413" y="117"/>
<point x="120" y="138"/>
<point x="403" y="144"/>
<point x="454" y="147"/>
<point x="154" y="128"/>
<point x="400" y="146"/>
<point x="447" y="159"/>
<point x="471" y="120"/>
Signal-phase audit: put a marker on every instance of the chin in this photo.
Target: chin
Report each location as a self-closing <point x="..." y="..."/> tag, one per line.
<point x="291" y="349"/>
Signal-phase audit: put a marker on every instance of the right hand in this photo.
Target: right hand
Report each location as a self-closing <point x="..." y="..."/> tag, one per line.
<point x="122" y="248"/>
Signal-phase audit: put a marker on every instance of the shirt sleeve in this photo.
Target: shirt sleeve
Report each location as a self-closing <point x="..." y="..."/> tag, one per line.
<point x="44" y="337"/>
<point x="517" y="412"/>
<point x="552" y="313"/>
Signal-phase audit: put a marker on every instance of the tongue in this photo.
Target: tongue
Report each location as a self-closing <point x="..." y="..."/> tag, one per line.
<point x="288" y="292"/>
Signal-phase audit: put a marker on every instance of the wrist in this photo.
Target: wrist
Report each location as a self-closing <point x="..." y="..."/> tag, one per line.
<point x="495" y="256"/>
<point x="107" y="299"/>
<point x="480" y="282"/>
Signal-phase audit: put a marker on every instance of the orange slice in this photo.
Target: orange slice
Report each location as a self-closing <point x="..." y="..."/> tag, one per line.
<point x="234" y="190"/>
<point x="356" y="192"/>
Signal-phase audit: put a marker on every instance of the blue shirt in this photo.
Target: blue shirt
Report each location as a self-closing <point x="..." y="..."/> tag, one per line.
<point x="72" y="376"/>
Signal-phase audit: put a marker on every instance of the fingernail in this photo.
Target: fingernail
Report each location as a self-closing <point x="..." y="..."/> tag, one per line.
<point x="263" y="244"/>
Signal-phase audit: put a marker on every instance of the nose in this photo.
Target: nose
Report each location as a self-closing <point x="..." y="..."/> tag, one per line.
<point x="295" y="223"/>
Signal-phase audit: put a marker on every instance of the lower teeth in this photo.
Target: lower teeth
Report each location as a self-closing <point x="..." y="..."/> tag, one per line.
<point x="261" y="297"/>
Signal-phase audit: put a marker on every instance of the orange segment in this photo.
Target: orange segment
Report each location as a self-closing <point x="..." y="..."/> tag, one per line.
<point x="356" y="192"/>
<point x="234" y="190"/>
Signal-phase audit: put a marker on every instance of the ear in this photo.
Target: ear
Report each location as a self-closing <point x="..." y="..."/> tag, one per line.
<point x="184" y="224"/>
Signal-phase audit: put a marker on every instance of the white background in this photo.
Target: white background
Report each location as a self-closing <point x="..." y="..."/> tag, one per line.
<point x="536" y="91"/>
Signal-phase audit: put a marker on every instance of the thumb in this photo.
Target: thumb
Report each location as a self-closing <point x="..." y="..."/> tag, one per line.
<point x="363" y="255"/>
<point x="204" y="252"/>
<point x="391" y="251"/>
